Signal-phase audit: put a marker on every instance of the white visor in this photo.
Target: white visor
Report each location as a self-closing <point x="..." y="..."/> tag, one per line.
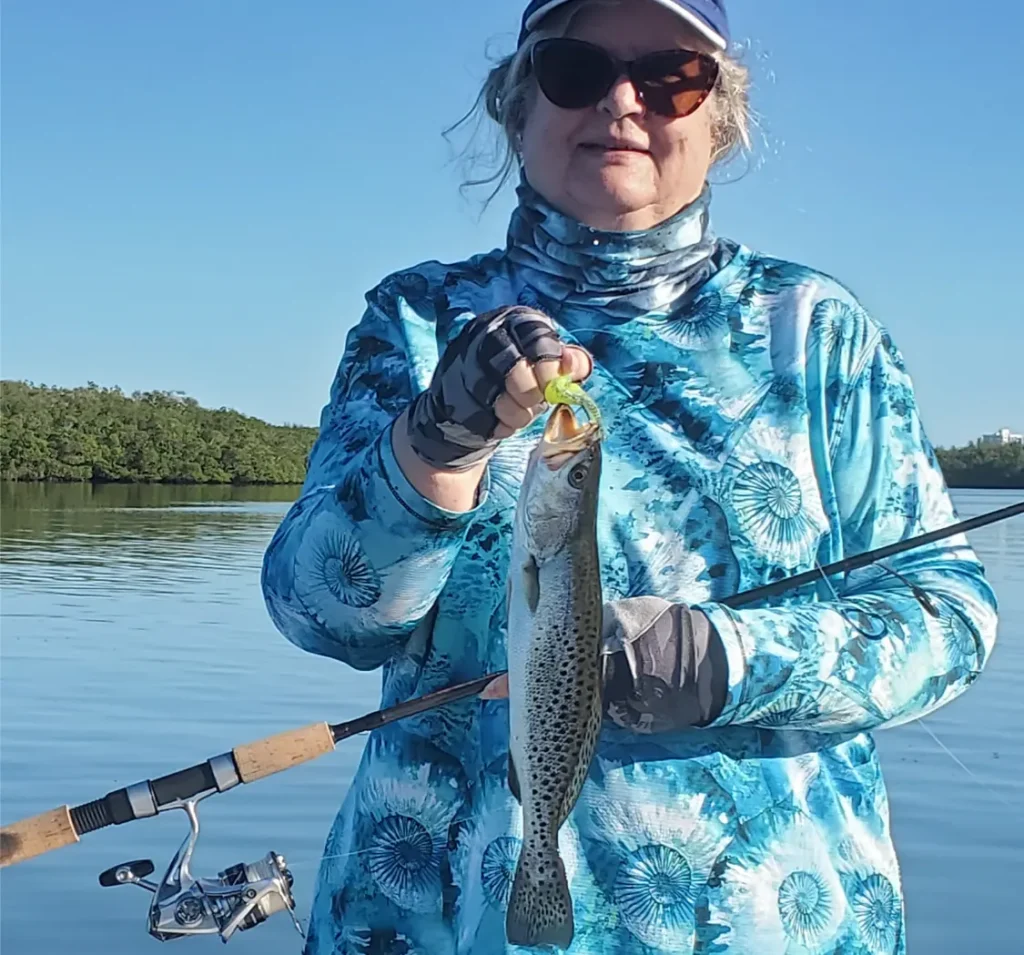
<point x="695" y="21"/>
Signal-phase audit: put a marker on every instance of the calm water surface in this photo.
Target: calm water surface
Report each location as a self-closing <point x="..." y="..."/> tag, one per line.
<point x="135" y="642"/>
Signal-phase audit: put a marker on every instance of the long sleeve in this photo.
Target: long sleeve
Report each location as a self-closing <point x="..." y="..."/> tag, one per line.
<point x="361" y="557"/>
<point x="889" y="645"/>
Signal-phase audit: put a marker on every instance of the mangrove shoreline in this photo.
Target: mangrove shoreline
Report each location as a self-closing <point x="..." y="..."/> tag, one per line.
<point x="104" y="436"/>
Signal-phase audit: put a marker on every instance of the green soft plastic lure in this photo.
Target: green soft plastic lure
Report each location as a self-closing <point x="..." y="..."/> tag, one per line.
<point x="564" y="391"/>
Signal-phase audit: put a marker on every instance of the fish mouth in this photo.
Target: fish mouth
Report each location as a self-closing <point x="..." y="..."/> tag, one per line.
<point x="564" y="434"/>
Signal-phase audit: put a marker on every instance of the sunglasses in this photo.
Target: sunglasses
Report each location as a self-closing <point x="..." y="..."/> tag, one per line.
<point x="574" y="74"/>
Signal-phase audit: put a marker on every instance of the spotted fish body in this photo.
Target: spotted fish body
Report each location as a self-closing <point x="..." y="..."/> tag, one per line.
<point x="554" y="644"/>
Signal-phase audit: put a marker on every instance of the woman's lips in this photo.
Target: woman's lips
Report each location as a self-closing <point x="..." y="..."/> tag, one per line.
<point x="612" y="154"/>
<point x="614" y="148"/>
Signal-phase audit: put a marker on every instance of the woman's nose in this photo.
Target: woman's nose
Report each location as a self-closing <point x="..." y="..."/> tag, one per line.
<point x="622" y="99"/>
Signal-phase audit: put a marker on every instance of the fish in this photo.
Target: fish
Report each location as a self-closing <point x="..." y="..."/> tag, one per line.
<point x="554" y="602"/>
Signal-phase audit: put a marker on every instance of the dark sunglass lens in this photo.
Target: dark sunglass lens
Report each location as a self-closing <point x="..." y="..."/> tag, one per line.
<point x="572" y="74"/>
<point x="675" y="84"/>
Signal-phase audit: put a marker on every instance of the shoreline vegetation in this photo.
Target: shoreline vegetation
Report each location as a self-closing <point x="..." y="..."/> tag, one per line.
<point x="104" y="436"/>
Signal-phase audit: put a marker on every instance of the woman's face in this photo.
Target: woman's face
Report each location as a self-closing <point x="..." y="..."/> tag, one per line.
<point x="659" y="165"/>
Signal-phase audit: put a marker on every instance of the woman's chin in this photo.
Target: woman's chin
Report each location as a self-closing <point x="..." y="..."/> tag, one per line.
<point x="603" y="195"/>
<point x="611" y="209"/>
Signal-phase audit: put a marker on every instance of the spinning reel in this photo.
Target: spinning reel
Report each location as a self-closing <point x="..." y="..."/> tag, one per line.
<point x="238" y="899"/>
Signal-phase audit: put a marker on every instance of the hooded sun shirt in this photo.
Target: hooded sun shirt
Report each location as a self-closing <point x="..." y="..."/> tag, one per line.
<point x="759" y="423"/>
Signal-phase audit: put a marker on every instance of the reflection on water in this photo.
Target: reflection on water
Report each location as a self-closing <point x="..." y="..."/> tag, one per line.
<point x="135" y="642"/>
<point x="149" y="538"/>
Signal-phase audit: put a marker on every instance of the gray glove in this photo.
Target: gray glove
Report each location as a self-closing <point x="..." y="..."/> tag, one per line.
<point x="664" y="666"/>
<point x="451" y="424"/>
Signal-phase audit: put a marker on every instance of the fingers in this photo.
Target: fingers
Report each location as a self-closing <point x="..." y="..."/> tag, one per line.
<point x="523" y="398"/>
<point x="509" y="412"/>
<point x="577" y="363"/>
<point x="546" y="356"/>
<point x="535" y="335"/>
<point x="497" y="689"/>
<point x="503" y="431"/>
<point x="545" y="371"/>
<point x="522" y="386"/>
<point x="516" y="354"/>
<point x="489" y="383"/>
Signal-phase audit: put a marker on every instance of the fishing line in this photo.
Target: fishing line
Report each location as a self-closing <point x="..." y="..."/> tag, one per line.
<point x="456" y="821"/>
<point x="956" y="759"/>
<point x="847" y="612"/>
<point x="347" y="855"/>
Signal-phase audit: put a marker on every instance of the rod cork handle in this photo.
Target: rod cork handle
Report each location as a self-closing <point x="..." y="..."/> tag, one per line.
<point x="34" y="836"/>
<point x="282" y="751"/>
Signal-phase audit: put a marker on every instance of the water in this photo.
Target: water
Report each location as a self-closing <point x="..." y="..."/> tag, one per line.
<point x="135" y="642"/>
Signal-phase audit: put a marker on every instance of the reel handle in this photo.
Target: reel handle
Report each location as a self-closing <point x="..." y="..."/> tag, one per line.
<point x="126" y="873"/>
<point x="38" y="834"/>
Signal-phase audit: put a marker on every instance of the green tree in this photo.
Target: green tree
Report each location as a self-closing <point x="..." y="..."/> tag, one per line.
<point x="102" y="435"/>
<point x="983" y="465"/>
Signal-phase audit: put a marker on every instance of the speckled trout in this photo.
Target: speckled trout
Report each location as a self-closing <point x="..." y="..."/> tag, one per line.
<point x="554" y="646"/>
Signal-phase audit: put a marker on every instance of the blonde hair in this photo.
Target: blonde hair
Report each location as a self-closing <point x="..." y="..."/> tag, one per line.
<point x="509" y="91"/>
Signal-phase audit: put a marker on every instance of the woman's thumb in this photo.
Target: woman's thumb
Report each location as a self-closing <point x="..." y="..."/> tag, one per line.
<point x="576" y="362"/>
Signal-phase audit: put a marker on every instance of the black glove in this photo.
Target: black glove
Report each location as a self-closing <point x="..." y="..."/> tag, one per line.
<point x="451" y="424"/>
<point x="664" y="666"/>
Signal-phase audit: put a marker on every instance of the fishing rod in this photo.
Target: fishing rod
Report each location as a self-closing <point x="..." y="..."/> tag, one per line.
<point x="245" y="895"/>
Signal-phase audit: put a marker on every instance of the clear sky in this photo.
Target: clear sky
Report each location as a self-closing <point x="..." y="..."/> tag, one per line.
<point x="197" y="194"/>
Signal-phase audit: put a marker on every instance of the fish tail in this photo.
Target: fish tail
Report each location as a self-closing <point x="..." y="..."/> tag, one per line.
<point x="540" y="906"/>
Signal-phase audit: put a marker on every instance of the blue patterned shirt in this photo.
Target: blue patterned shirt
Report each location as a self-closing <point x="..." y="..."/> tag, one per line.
<point x="759" y="423"/>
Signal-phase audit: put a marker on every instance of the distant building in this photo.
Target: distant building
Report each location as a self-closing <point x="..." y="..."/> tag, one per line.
<point x="1002" y="436"/>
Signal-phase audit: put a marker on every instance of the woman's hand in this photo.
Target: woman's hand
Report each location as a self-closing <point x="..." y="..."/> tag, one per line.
<point x="488" y="385"/>
<point x="664" y="667"/>
<point x="623" y="622"/>
<point x="497" y="689"/>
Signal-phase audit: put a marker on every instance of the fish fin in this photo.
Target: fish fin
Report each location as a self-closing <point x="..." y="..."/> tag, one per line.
<point x="513" y="780"/>
<point x="540" y="906"/>
<point x="531" y="583"/>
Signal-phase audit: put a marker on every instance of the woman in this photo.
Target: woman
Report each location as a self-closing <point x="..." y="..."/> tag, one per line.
<point x="759" y="424"/>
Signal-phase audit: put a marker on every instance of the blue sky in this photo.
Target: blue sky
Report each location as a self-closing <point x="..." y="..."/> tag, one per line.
<point x="196" y="195"/>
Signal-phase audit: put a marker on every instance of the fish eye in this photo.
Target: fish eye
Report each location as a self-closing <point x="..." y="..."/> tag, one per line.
<point x="578" y="475"/>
